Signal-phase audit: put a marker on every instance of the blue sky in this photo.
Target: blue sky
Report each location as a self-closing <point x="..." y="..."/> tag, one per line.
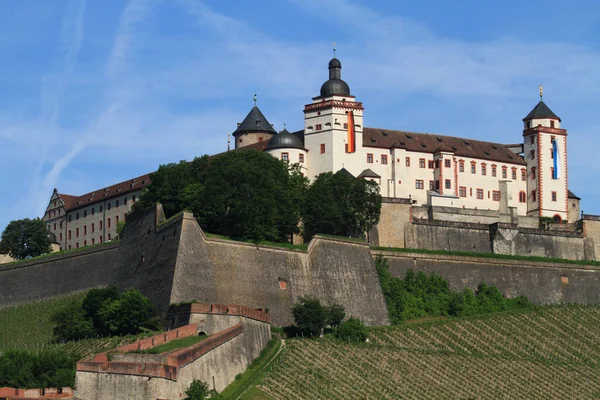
<point x="96" y="92"/>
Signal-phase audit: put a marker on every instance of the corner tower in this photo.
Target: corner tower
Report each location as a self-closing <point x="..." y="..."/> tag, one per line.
<point x="333" y="126"/>
<point x="253" y="129"/>
<point x="545" y="151"/>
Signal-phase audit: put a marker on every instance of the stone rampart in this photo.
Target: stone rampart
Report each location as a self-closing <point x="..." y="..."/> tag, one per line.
<point x="541" y="282"/>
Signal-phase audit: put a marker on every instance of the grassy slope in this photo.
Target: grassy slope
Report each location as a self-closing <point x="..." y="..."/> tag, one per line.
<point x="550" y="352"/>
<point x="29" y="327"/>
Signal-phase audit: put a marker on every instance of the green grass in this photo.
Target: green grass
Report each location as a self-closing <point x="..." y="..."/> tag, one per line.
<point x="58" y="253"/>
<point x="487" y="255"/>
<point x="174" y="345"/>
<point x="289" y="246"/>
<point x="347" y="239"/>
<point x="544" y="352"/>
<point x="252" y="376"/>
<point x="29" y="327"/>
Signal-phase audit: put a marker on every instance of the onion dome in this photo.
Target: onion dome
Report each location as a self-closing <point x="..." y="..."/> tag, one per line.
<point x="284" y="140"/>
<point x="335" y="86"/>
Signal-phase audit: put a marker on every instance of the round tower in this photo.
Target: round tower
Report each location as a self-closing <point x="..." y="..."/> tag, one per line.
<point x="253" y="129"/>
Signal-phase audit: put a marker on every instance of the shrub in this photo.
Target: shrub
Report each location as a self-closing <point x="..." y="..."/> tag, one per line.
<point x="335" y="315"/>
<point x="309" y="316"/>
<point x="49" y="368"/>
<point x="199" y="390"/>
<point x="93" y="302"/>
<point x="352" y="330"/>
<point x="129" y="314"/>
<point x="72" y="323"/>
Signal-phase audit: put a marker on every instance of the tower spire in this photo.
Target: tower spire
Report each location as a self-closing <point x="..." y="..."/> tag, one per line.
<point x="255" y="98"/>
<point x="334" y="49"/>
<point x="228" y="141"/>
<point x="541" y="92"/>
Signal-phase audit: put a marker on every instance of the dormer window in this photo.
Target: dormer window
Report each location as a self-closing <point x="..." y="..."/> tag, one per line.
<point x="528" y="124"/>
<point x="551" y="124"/>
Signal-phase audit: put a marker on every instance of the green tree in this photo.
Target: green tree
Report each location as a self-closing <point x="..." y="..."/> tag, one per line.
<point x="72" y="323"/>
<point x="338" y="204"/>
<point x="352" y="330"/>
<point x="120" y="229"/>
<point x="25" y="238"/>
<point x="198" y="390"/>
<point x="335" y="315"/>
<point x="130" y="314"/>
<point x="94" y="299"/>
<point x="167" y="185"/>
<point x="309" y="316"/>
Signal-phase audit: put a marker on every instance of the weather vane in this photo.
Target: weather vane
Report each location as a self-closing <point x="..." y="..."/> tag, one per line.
<point x="255" y="98"/>
<point x="541" y="92"/>
<point x="334" y="49"/>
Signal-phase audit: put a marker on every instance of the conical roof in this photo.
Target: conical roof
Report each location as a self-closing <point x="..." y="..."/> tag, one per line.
<point x="540" y="111"/>
<point x="255" y="121"/>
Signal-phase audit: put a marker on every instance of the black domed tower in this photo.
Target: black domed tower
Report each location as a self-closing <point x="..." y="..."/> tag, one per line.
<point x="333" y="126"/>
<point x="253" y="129"/>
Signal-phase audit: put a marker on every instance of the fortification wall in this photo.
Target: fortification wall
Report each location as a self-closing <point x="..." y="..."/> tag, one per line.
<point x="591" y="229"/>
<point x="56" y="275"/>
<point x="541" y="282"/>
<point x="268" y="277"/>
<point x="390" y="229"/>
<point x="441" y="235"/>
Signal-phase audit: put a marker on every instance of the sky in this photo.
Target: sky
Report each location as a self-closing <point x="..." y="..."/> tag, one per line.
<point x="97" y="92"/>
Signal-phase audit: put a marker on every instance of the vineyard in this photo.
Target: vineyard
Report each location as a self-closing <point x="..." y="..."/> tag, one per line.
<point x="545" y="353"/>
<point x="29" y="327"/>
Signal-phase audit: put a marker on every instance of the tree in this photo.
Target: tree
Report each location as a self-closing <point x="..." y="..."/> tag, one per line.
<point x="352" y="330"/>
<point x="25" y="238"/>
<point x="94" y="299"/>
<point x="198" y="390"/>
<point x="335" y="315"/>
<point x="72" y="323"/>
<point x="338" y="204"/>
<point x="120" y="229"/>
<point x="309" y="316"/>
<point x="129" y="314"/>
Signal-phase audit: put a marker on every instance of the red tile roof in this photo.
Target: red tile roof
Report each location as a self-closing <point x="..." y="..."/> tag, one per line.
<point x="431" y="143"/>
<point x="73" y="202"/>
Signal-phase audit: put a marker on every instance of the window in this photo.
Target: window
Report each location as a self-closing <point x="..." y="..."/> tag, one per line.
<point x="100" y="209"/>
<point x="533" y="173"/>
<point x="100" y="239"/>
<point x="108" y="222"/>
<point x="93" y="241"/>
<point x="514" y="174"/>
<point x="285" y="156"/>
<point x="77" y="216"/>
<point x="69" y="247"/>
<point x="504" y="171"/>
<point x="84" y="213"/>
<point x="301" y="158"/>
<point x="431" y="185"/>
<point x="533" y="193"/>
<point x="124" y="201"/>
<point x="132" y="200"/>
<point x="461" y="166"/>
<point x="531" y="138"/>
<point x="462" y="191"/>
<point x="447" y="184"/>
<point x="471" y="192"/>
<point x="55" y="226"/>
<point x="529" y="126"/>
<point x="431" y="164"/>
<point x="60" y="236"/>
<point x="523" y="175"/>
<point x="419" y="184"/>
<point x="483" y="169"/>
<point x="496" y="195"/>
<point x="85" y="229"/>
<point x="408" y="161"/>
<point x="473" y="165"/>
<point x="552" y="172"/>
<point x="318" y="127"/>
<point x="421" y="163"/>
<point x="77" y="245"/>
<point x="108" y="206"/>
<point x="100" y="225"/>
<point x="532" y="154"/>
<point x="69" y="234"/>
<point x="553" y="196"/>
<point x="54" y="203"/>
<point x="84" y="243"/>
<point x="76" y="232"/>
<point x="117" y="203"/>
<point x="522" y="197"/>
<point x="370" y="158"/>
<point x="69" y="218"/>
<point x="93" y="210"/>
<point x="322" y="148"/>
<point x="384" y="159"/>
<point x="479" y="194"/>
<point x="447" y="163"/>
<point x="117" y="219"/>
<point x="93" y="227"/>
<point x="108" y="236"/>
<point x="345" y="125"/>
<point x="494" y="171"/>
<point x="552" y="154"/>
<point x="60" y="225"/>
<point x="551" y="124"/>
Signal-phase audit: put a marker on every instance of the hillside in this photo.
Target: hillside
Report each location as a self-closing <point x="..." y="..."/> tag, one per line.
<point x="546" y="353"/>
<point x="29" y="327"/>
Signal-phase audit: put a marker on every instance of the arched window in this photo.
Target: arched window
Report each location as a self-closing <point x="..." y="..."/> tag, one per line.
<point x="557" y="218"/>
<point x="522" y="197"/>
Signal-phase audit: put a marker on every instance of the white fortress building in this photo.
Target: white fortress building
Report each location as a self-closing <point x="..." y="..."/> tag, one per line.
<point x="527" y="179"/>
